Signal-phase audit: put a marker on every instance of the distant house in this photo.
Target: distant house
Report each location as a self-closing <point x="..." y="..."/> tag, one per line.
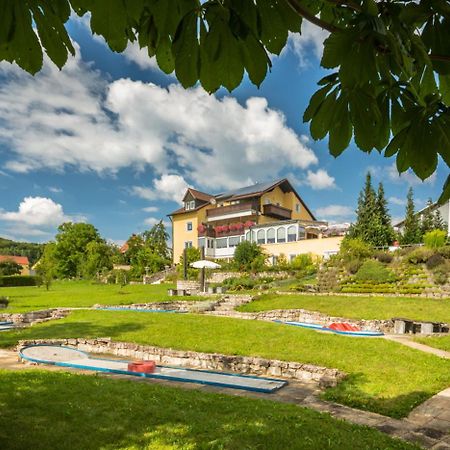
<point x="271" y="214"/>
<point x="444" y="210"/>
<point x="21" y="260"/>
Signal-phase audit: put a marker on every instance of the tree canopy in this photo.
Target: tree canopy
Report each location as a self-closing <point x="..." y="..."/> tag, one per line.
<point x="389" y="86"/>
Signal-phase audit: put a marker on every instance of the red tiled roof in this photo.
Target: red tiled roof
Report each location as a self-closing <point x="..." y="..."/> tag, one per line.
<point x="22" y="260"/>
<point x="124" y="248"/>
<point x="200" y="195"/>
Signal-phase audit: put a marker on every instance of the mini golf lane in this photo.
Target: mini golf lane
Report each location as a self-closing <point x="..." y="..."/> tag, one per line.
<point x="69" y="357"/>
<point x="6" y="326"/>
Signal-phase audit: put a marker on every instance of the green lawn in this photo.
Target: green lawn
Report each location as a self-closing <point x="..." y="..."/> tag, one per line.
<point x="385" y="377"/>
<point x="48" y="410"/>
<point x="442" y="342"/>
<point x="84" y="294"/>
<point x="357" y="307"/>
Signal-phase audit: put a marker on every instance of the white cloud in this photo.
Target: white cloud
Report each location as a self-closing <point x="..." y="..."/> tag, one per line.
<point x="335" y="211"/>
<point x="55" y="190"/>
<point x="168" y="187"/>
<point x="392" y="175"/>
<point x="320" y="180"/>
<point x="140" y="57"/>
<point x="74" y="118"/>
<point x="310" y="41"/>
<point x="397" y="201"/>
<point x="35" y="216"/>
<point x="150" y="209"/>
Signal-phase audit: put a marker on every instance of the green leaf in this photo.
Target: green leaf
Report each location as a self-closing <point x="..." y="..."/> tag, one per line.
<point x="256" y="60"/>
<point x="186" y="50"/>
<point x="370" y="7"/>
<point x="444" y="87"/>
<point x="164" y="56"/>
<point x="445" y="192"/>
<point x="336" y="48"/>
<point x="341" y="130"/>
<point x="274" y="32"/>
<point x="396" y="143"/>
<point x="315" y="101"/>
<point x="322" y="120"/>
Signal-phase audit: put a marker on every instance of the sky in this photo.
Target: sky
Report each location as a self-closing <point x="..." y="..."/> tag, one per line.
<point x="113" y="141"/>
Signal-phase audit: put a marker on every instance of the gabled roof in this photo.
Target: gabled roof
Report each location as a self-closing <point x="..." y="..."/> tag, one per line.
<point x="21" y="260"/>
<point x="198" y="195"/>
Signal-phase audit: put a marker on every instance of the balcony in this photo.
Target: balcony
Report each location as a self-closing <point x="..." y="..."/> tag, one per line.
<point x="232" y="211"/>
<point x="279" y="212"/>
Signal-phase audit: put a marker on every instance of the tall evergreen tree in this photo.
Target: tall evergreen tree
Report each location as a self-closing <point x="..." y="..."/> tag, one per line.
<point x="438" y="221"/>
<point x="427" y="222"/>
<point x="385" y="234"/>
<point x="411" y="233"/>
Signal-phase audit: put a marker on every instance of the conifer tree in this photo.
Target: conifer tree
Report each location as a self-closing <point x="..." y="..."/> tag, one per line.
<point x="438" y="221"/>
<point x="427" y="223"/>
<point x="411" y="233"/>
<point x="385" y="234"/>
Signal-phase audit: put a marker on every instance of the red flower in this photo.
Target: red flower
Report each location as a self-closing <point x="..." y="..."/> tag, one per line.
<point x="201" y="228"/>
<point x="249" y="224"/>
<point x="225" y="228"/>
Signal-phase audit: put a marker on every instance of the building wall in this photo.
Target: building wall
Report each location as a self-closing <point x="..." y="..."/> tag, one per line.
<point x="25" y="270"/>
<point x="180" y="233"/>
<point x="319" y="247"/>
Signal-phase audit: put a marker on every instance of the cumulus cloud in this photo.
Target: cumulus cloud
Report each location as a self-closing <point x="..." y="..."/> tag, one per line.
<point x="140" y="57"/>
<point x="150" y="209"/>
<point x="320" y="180"/>
<point x="335" y="211"/>
<point x="168" y="187"/>
<point x="55" y="190"/>
<point x="36" y="216"/>
<point x="75" y="118"/>
<point x="392" y="175"/>
<point x="397" y="201"/>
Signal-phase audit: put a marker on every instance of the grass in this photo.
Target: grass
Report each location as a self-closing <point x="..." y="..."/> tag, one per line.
<point x="89" y="412"/>
<point x="384" y="376"/>
<point x="441" y="342"/>
<point x="357" y="307"/>
<point x="84" y="294"/>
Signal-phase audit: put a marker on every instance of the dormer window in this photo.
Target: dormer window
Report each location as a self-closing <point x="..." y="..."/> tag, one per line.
<point x="189" y="205"/>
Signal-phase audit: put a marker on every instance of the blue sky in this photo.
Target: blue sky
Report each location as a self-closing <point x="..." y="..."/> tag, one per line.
<point x="113" y="141"/>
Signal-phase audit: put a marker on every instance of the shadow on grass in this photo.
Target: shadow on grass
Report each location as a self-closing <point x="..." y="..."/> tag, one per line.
<point x="65" y="411"/>
<point x="348" y="392"/>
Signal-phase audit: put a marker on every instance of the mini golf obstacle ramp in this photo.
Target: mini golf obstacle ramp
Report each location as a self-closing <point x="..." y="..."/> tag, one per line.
<point x="338" y="328"/>
<point x="69" y="357"/>
<point x="6" y="326"/>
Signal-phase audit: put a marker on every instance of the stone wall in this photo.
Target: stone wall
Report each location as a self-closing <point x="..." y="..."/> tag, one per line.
<point x="310" y="373"/>
<point x="35" y="316"/>
<point x="189" y="285"/>
<point x="220" y="277"/>
<point x="182" y="306"/>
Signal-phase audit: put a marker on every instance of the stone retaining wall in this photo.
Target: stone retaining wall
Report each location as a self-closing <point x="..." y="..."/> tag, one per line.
<point x="220" y="277"/>
<point x="182" y="306"/>
<point x="189" y="285"/>
<point x="35" y="316"/>
<point x="309" y="373"/>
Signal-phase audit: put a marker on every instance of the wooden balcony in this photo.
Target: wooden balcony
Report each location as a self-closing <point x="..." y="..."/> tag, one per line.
<point x="279" y="212"/>
<point x="238" y="210"/>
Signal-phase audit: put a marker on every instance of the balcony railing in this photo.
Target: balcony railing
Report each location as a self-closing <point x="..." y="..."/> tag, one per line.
<point x="232" y="209"/>
<point x="277" y="211"/>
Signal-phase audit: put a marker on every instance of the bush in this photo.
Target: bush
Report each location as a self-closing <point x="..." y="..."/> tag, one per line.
<point x="441" y="273"/>
<point x="304" y="264"/>
<point x="249" y="256"/>
<point x="419" y="255"/>
<point x="384" y="257"/>
<point x="353" y="265"/>
<point x="239" y="283"/>
<point x="435" y="239"/>
<point x="434" y="261"/>
<point x="374" y="271"/>
<point x="445" y="252"/>
<point x="19" y="280"/>
<point x="355" y="249"/>
<point x="4" y="302"/>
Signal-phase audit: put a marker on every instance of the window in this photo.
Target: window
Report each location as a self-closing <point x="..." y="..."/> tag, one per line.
<point x="247" y="236"/>
<point x="201" y="242"/>
<point x="261" y="237"/>
<point x="233" y="241"/>
<point x="222" y="243"/>
<point x="270" y="236"/>
<point x="188" y="244"/>
<point x="281" y="235"/>
<point x="210" y="243"/>
<point x="297" y="207"/>
<point x="189" y="205"/>
<point x="301" y="233"/>
<point x="292" y="233"/>
<point x="189" y="226"/>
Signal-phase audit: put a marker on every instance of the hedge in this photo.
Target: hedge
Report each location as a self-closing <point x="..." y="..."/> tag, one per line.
<point x="19" y="280"/>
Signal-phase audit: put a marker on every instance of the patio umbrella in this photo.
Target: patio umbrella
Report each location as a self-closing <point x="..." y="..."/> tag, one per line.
<point x="204" y="264"/>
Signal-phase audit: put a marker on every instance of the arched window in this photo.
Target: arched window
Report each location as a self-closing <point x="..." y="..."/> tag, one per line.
<point x="292" y="233"/>
<point x="247" y="236"/>
<point x="281" y="234"/>
<point x="261" y="237"/>
<point x="271" y="236"/>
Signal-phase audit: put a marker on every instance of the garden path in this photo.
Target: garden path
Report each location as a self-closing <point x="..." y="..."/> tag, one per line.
<point x="406" y="340"/>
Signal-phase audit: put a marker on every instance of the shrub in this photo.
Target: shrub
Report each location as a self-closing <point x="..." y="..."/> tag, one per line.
<point x="445" y="252"/>
<point x="419" y="255"/>
<point x="355" y="249"/>
<point x="374" y="271"/>
<point x="19" y="280"/>
<point x="4" y="302"/>
<point x="384" y="257"/>
<point x="249" y="256"/>
<point x="434" y="261"/>
<point x="304" y="264"/>
<point x="353" y="265"/>
<point x="238" y="283"/>
<point x="441" y="273"/>
<point x="435" y="239"/>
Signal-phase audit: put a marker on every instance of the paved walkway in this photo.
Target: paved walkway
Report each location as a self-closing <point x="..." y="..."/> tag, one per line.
<point x="406" y="340"/>
<point x="428" y="425"/>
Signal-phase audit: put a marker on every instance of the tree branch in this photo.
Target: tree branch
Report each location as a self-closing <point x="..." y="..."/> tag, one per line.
<point x="294" y="4"/>
<point x="443" y="58"/>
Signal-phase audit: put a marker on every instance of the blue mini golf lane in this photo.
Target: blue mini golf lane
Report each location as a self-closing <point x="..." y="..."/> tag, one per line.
<point x="70" y="357"/>
<point x="119" y="308"/>
<point x="316" y="327"/>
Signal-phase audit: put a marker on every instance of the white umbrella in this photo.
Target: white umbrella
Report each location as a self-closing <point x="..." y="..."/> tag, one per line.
<point x="205" y="264"/>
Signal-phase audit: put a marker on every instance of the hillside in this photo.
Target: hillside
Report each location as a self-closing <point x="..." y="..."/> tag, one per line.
<point x="32" y="250"/>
